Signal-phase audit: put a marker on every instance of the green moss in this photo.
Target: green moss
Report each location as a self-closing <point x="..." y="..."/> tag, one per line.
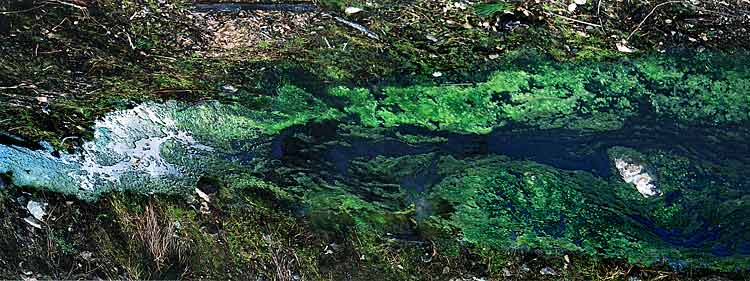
<point x="218" y="124"/>
<point x="592" y="96"/>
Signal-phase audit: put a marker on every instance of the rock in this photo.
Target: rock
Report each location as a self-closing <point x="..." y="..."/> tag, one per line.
<point x="86" y="255"/>
<point x="352" y="10"/>
<point x="437" y="74"/>
<point x="580" y="2"/>
<point x="636" y="174"/>
<point x="623" y="47"/>
<point x="229" y="89"/>
<point x="572" y="7"/>
<point x="548" y="271"/>
<point x="36" y="209"/>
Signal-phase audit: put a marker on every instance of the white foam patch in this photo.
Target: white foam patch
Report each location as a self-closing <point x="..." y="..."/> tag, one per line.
<point x="127" y="141"/>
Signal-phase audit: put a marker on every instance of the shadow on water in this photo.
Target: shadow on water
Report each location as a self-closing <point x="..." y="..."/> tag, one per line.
<point x="562" y="149"/>
<point x="322" y="147"/>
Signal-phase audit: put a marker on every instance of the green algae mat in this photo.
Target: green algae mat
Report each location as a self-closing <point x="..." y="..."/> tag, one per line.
<point x="643" y="160"/>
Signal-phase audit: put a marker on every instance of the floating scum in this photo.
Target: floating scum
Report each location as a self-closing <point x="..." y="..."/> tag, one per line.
<point x="659" y="201"/>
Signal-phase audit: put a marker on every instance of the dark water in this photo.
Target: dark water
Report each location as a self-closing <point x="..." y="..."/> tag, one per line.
<point x="563" y="149"/>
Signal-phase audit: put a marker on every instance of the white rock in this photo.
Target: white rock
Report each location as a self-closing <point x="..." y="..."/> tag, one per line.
<point x="352" y="10"/>
<point x="623" y="47"/>
<point x="437" y="74"/>
<point x="572" y="7"/>
<point x="636" y="174"/>
<point x="36" y="209"/>
<point x="580" y="2"/>
<point x="548" y="271"/>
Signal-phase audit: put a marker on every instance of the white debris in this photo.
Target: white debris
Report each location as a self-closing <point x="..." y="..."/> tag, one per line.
<point x="636" y="174"/>
<point x="33" y="222"/>
<point x="36" y="209"/>
<point x="580" y="2"/>
<point x="623" y="47"/>
<point x="352" y="10"/>
<point x="437" y="74"/>
<point x="229" y="89"/>
<point x="202" y="195"/>
<point x="548" y="271"/>
<point x="572" y="7"/>
<point x="131" y="139"/>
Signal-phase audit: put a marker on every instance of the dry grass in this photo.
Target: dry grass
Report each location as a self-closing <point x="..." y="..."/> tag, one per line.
<point x="157" y="235"/>
<point x="155" y="232"/>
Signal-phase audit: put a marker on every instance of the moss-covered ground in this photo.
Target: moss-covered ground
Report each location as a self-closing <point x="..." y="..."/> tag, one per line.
<point x="448" y="68"/>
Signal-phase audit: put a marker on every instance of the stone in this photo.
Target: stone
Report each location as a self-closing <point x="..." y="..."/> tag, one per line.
<point x="352" y="10"/>
<point x="636" y="174"/>
<point x="572" y="7"/>
<point x="623" y="47"/>
<point x="548" y="271"/>
<point x="36" y="209"/>
<point x="229" y="89"/>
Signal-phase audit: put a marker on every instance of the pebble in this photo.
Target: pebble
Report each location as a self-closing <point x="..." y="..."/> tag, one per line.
<point x="572" y="7"/>
<point x="352" y="10"/>
<point x="548" y="271"/>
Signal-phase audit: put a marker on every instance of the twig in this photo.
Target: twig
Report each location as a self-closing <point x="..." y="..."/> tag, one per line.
<point x="359" y="27"/>
<point x="23" y="11"/>
<point x="130" y="41"/>
<point x="574" y="20"/>
<point x="12" y="87"/>
<point x="647" y="16"/>
<point x="82" y="8"/>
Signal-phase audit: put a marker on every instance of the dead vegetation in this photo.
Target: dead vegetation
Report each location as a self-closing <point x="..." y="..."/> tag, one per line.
<point x="157" y="235"/>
